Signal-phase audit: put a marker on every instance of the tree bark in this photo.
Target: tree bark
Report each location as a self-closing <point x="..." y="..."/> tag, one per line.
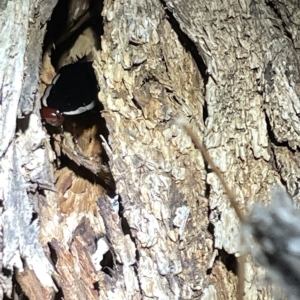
<point x="163" y="227"/>
<point x="24" y="165"/>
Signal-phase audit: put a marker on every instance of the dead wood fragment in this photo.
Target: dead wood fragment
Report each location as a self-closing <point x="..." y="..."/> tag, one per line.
<point x="32" y="287"/>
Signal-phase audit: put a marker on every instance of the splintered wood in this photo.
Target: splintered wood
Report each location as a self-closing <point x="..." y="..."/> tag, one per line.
<point x="71" y="222"/>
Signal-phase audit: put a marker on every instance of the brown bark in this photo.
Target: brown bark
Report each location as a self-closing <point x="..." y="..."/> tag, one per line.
<point x="156" y="217"/>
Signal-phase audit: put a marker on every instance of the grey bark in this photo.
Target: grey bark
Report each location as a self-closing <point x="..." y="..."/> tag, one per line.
<point x="24" y="166"/>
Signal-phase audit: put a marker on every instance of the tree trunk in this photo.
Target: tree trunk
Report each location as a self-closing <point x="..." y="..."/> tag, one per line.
<point x="155" y="222"/>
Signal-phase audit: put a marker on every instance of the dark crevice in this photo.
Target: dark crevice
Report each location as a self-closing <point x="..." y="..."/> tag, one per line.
<point x="274" y="143"/>
<point x="187" y="43"/>
<point x="272" y="136"/>
<point x="209" y="271"/>
<point x="6" y="272"/>
<point x="107" y="263"/>
<point x="59" y="295"/>
<point x="269" y="74"/>
<point x="61" y="37"/>
<point x="133" y="43"/>
<point x="124" y="222"/>
<point x="135" y="268"/>
<point x="96" y="286"/>
<point x="33" y="217"/>
<point x="191" y="47"/>
<point x="137" y="255"/>
<point x="275" y="165"/>
<point x="165" y="62"/>
<point x="137" y="105"/>
<point x="57" y="23"/>
<point x="229" y="260"/>
<point x="176" y="100"/>
<point x="207" y="186"/>
<point x="23" y="124"/>
<point x="86" y="174"/>
<point x="211" y="228"/>
<point x="274" y="8"/>
<point x="204" y="112"/>
<point x="126" y="230"/>
<point x="17" y="291"/>
<point x="53" y="254"/>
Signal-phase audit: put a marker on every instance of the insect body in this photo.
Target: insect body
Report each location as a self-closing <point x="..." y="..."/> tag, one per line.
<point x="73" y="91"/>
<point x="52" y="116"/>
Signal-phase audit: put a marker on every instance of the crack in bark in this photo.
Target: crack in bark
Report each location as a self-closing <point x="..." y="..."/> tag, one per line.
<point x="272" y="136"/>
<point x="187" y="43"/>
<point x="273" y="6"/>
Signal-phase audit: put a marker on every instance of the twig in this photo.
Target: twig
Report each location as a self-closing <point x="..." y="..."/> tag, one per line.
<point x="232" y="200"/>
<point x="230" y="194"/>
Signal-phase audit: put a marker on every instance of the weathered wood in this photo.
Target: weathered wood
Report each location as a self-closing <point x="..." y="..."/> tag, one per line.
<point x="147" y="78"/>
<point x="24" y="166"/>
<point x="159" y="223"/>
<point x="250" y="49"/>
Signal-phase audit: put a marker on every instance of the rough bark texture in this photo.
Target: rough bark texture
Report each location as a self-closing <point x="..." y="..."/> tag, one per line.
<point x="156" y="222"/>
<point x="24" y="165"/>
<point x="146" y="78"/>
<point x="251" y="50"/>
